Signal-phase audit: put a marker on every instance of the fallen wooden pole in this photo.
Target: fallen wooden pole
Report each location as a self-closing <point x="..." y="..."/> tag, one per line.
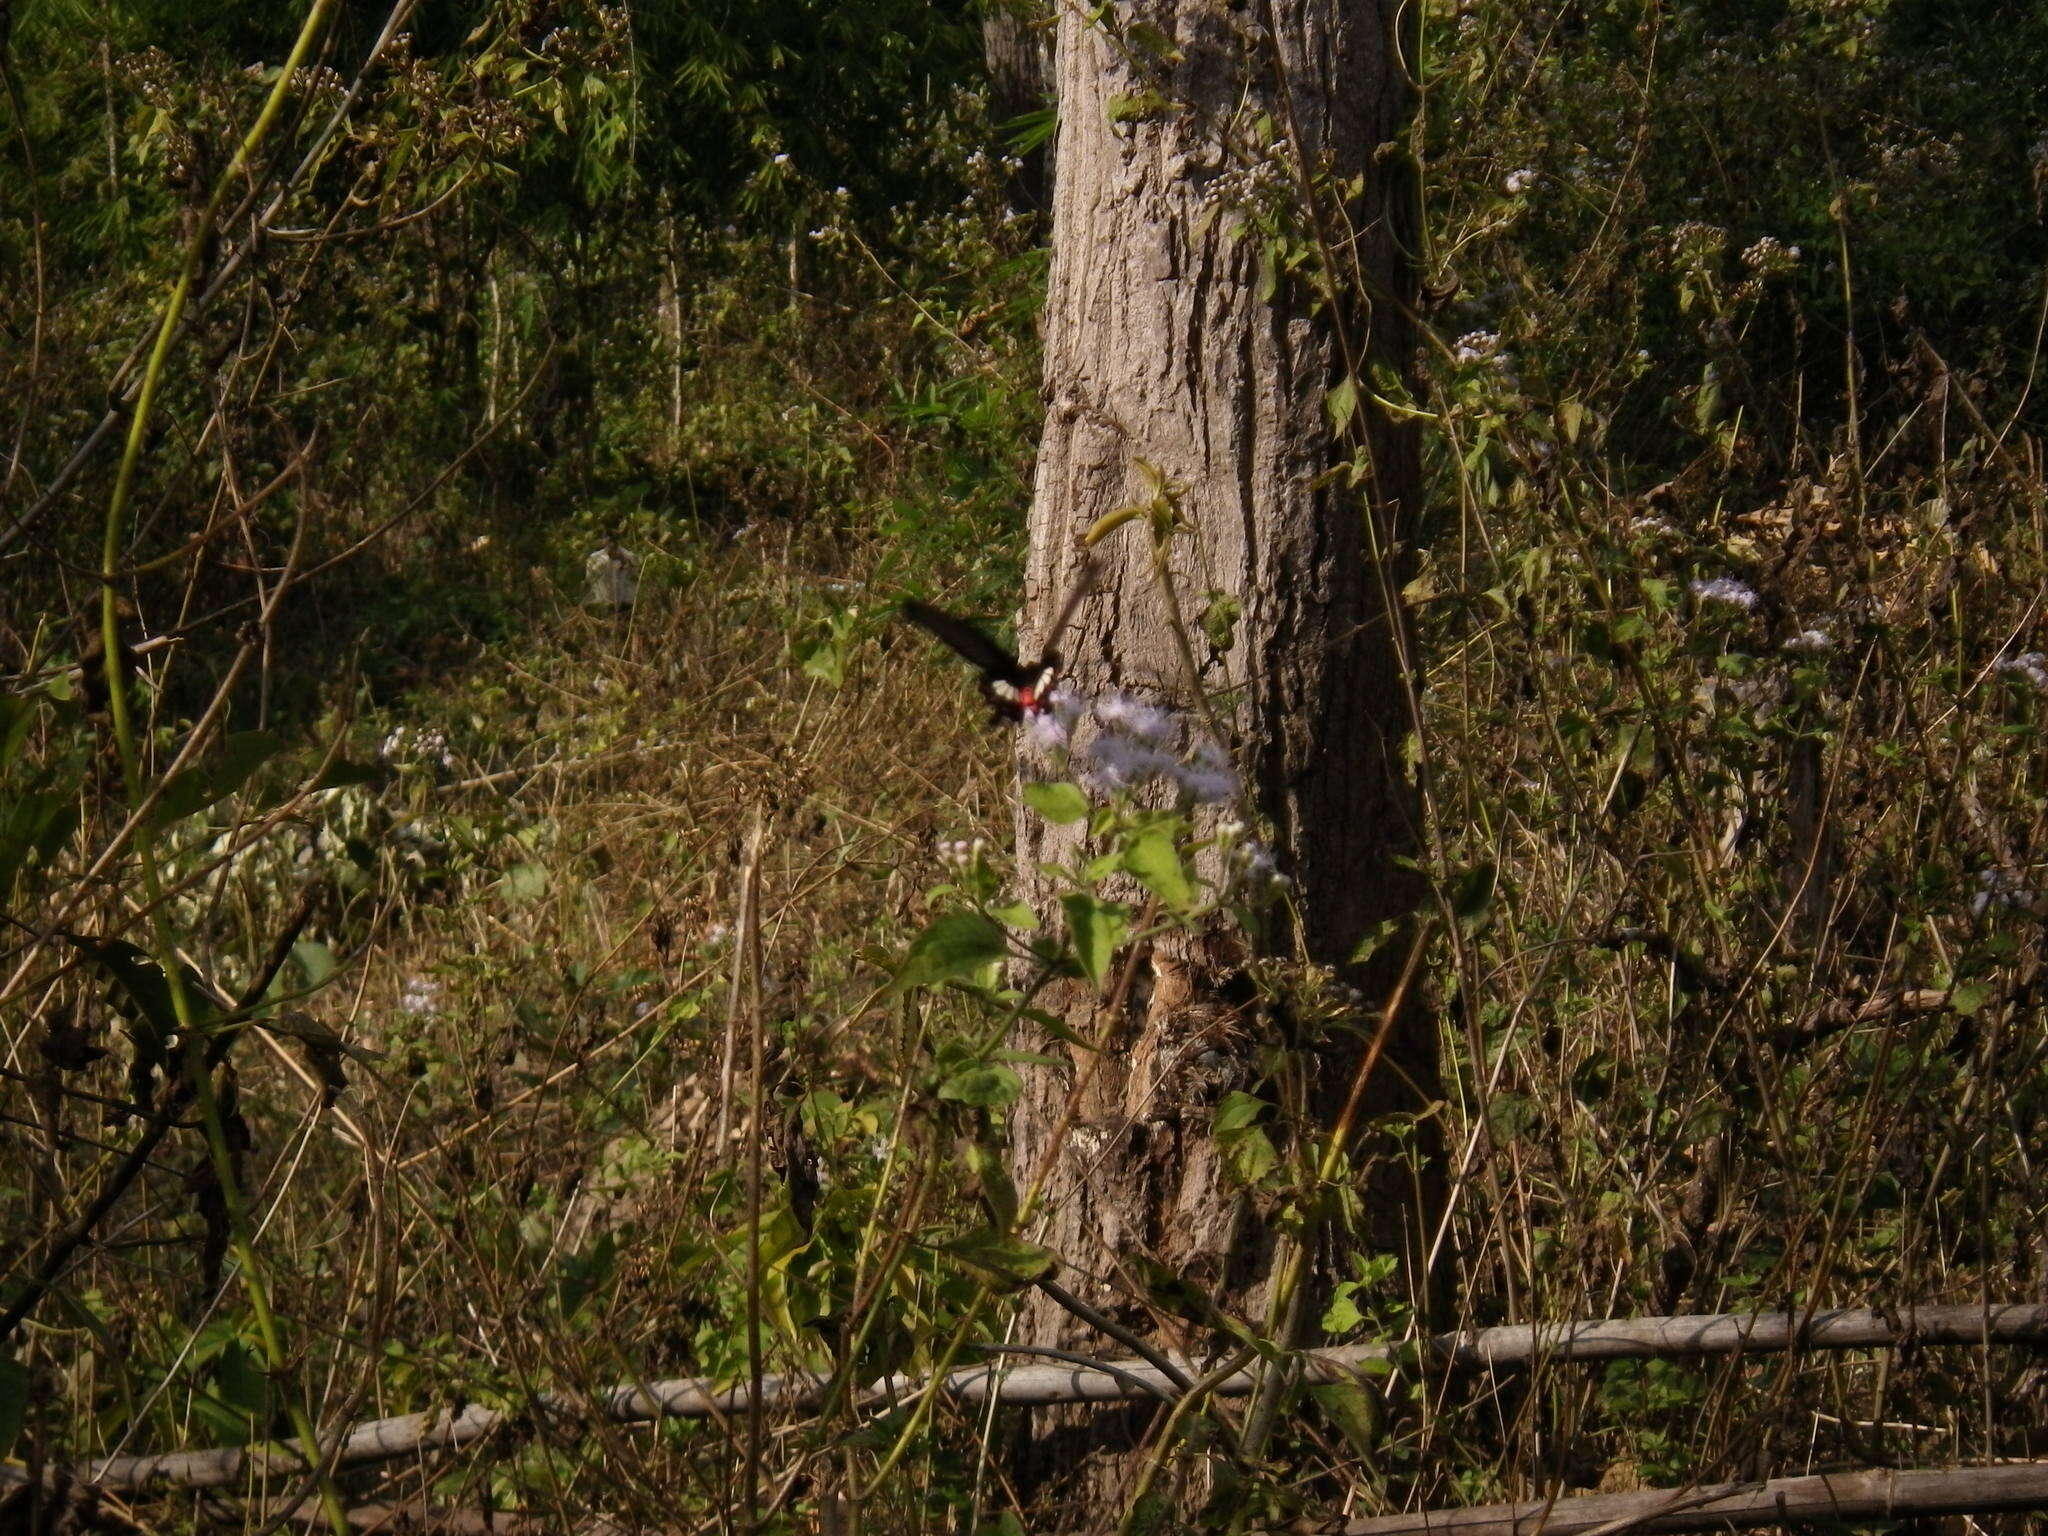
<point x="1117" y="1381"/>
<point x="1831" y="1496"/>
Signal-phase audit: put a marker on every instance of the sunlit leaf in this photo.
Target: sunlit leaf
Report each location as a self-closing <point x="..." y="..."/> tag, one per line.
<point x="1060" y="803"/>
<point x="956" y="945"/>
<point x="1010" y="1261"/>
<point x="1153" y="858"/>
<point x="984" y="1084"/>
<point x="1097" y="927"/>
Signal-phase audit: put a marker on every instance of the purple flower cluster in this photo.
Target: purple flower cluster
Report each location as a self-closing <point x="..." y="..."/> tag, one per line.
<point x="1137" y="743"/>
<point x="1727" y="591"/>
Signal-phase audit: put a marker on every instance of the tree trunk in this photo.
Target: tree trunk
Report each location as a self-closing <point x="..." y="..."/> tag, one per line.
<point x="1172" y="342"/>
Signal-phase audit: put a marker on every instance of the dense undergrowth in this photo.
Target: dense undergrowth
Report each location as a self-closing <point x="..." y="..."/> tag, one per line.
<point x="1730" y="607"/>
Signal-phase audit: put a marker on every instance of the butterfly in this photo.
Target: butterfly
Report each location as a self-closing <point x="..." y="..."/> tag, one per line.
<point x="1015" y="690"/>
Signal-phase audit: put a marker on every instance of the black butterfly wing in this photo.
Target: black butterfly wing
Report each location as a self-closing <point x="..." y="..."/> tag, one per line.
<point x="993" y="662"/>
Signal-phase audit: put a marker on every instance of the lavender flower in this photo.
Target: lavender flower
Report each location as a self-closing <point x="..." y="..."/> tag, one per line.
<point x="1998" y="887"/>
<point x="2032" y="665"/>
<point x="410" y="746"/>
<point x="1256" y="871"/>
<point x="1122" y="762"/>
<point x="1207" y="775"/>
<point x="1046" y="732"/>
<point x="1475" y="346"/>
<point x="962" y="853"/>
<point x="1138" y="718"/>
<point x="1052" y="728"/>
<point x="1726" y="590"/>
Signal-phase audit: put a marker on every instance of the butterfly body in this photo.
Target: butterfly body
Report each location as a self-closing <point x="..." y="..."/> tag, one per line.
<point x="1015" y="690"/>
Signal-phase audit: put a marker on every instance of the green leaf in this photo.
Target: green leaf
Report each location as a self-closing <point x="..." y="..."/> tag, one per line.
<point x="1143" y="35"/>
<point x="33" y="827"/>
<point x="1571" y="418"/>
<point x="1628" y="628"/>
<point x="1472" y="895"/>
<point x="13" y="1402"/>
<point x="1098" y="927"/>
<point x="1010" y="1261"/>
<point x="1059" y="803"/>
<point x="199" y="786"/>
<point x="1706" y="404"/>
<point x="1101" y="867"/>
<point x="997" y="1188"/>
<point x="525" y="882"/>
<point x="240" y="1383"/>
<point x="1355" y="1411"/>
<point x="826" y="661"/>
<point x="139" y="991"/>
<point x="1108" y="523"/>
<point x="582" y="1275"/>
<point x="1969" y="997"/>
<point x="1057" y="1027"/>
<point x="1136" y="106"/>
<point x="1341" y="402"/>
<point x="1152" y="1512"/>
<point x="1251" y="1156"/>
<point x="1156" y="862"/>
<point x="1342" y="1314"/>
<point x="1375" y="939"/>
<point x="1027" y="131"/>
<point x="1220" y="613"/>
<point x="315" y="961"/>
<point x="1015" y="914"/>
<point x="1238" y="1110"/>
<point x="1247" y="1150"/>
<point x="1508" y="1115"/>
<point x="17" y="714"/>
<point x="984" y="1085"/>
<point x="954" y="946"/>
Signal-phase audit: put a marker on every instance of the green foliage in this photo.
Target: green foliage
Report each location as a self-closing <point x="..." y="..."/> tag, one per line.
<point x="956" y="945"/>
<point x="1699" y="555"/>
<point x="1246" y="1147"/>
<point x="14" y="1391"/>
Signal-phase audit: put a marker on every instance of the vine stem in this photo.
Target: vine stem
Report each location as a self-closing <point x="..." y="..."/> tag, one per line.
<point x="277" y="1358"/>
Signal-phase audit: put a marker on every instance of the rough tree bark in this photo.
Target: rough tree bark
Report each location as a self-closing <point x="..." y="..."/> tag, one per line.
<point x="1167" y="344"/>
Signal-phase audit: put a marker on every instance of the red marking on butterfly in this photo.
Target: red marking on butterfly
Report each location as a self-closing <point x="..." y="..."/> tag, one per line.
<point x="1014" y="690"/>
